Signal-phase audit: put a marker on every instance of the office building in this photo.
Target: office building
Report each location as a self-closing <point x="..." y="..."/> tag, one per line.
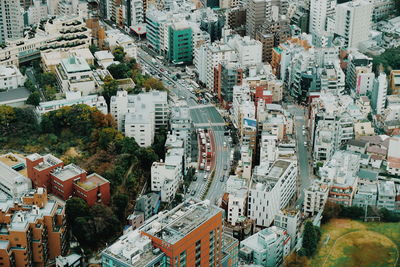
<point x="188" y="235"/>
<point x="271" y="189"/>
<point x="180" y="43"/>
<point x="353" y="22"/>
<point x="33" y="230"/>
<point x="10" y="77"/>
<point x="267" y="248"/>
<point x="50" y="173"/>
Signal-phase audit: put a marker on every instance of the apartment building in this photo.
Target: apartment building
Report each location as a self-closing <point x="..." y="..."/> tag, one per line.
<point x="181" y="128"/>
<point x="166" y="176"/>
<point x="73" y="98"/>
<point x="268" y="247"/>
<point x="237" y="203"/>
<point x="33" y="230"/>
<point x="188" y="235"/>
<point x="379" y="94"/>
<point x="50" y="173"/>
<point x="271" y="189"/>
<point x="115" y="38"/>
<point x="10" y="77"/>
<point x="140" y="125"/>
<point x="289" y="220"/>
<point x="366" y="195"/>
<point x="315" y="197"/>
<point x="359" y="76"/>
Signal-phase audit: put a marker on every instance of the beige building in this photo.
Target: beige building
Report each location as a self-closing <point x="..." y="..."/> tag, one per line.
<point x="51" y="59"/>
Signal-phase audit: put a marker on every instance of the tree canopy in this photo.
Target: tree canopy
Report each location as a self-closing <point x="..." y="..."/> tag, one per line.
<point x="311" y="236"/>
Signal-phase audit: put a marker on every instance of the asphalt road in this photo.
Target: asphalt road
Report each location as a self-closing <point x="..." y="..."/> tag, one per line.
<point x="203" y="116"/>
<point x="303" y="154"/>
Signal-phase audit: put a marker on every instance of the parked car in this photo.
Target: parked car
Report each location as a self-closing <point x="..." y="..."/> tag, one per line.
<point x="225" y="167"/>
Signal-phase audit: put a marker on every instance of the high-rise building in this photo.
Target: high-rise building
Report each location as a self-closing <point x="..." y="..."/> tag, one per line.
<point x="11" y="20"/>
<point x="190" y="234"/>
<point x="353" y="22"/>
<point x="319" y="12"/>
<point x="33" y="230"/>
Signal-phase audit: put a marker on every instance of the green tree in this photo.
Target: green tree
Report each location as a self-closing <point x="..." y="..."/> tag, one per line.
<point x="153" y="83"/>
<point x="7" y="117"/>
<point x="109" y="135"/>
<point x="119" y="71"/>
<point x="49" y="92"/>
<point x="74" y="208"/>
<point x="47" y="78"/>
<point x="33" y="99"/>
<point x="331" y="210"/>
<point x="119" y="54"/>
<point x="29" y="85"/>
<point x="310" y="239"/>
<point x="104" y="222"/>
<point x="120" y="202"/>
<point x="110" y="88"/>
<point x="83" y="230"/>
<point x="159" y="143"/>
<point x="94" y="48"/>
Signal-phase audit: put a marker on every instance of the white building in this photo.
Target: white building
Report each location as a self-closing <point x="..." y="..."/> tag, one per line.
<point x="289" y="219"/>
<point x="319" y="12"/>
<point x="155" y="102"/>
<point x="12" y="183"/>
<point x="393" y="156"/>
<point x="10" y="77"/>
<point x="271" y="189"/>
<point x="315" y="197"/>
<point x="73" y="98"/>
<point x="37" y="12"/>
<point x="11" y="20"/>
<point x="386" y="195"/>
<point x="59" y="34"/>
<point x="136" y="15"/>
<point x="268" y="151"/>
<point x="139" y="124"/>
<point x="105" y="58"/>
<point x="166" y="176"/>
<point x="379" y="94"/>
<point x="353" y="22"/>
<point x="268" y="247"/>
<point x="181" y="127"/>
<point x="249" y="51"/>
<point x="116" y="38"/>
<point x="74" y="74"/>
<point x="237" y="206"/>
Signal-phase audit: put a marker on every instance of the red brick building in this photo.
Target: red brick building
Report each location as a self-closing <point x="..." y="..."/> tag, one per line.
<point x="66" y="181"/>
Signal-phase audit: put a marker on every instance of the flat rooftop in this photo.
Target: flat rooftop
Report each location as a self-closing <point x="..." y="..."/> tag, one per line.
<point x="177" y="223"/>
<point x="67" y="172"/>
<point x="92" y="181"/>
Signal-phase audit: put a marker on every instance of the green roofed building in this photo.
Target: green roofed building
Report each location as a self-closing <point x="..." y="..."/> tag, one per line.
<point x="180" y="43"/>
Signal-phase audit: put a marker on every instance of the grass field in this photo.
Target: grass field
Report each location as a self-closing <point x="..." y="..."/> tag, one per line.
<point x="348" y="243"/>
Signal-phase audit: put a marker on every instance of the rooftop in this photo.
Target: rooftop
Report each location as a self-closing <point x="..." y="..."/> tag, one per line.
<point x="14" y="94"/>
<point x="265" y="177"/>
<point x="92" y="181"/>
<point x="75" y="64"/>
<point x="68" y="172"/>
<point x="173" y="225"/>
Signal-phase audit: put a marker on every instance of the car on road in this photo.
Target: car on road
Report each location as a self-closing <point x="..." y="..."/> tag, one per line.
<point x="208" y="168"/>
<point x="193" y="193"/>
<point x="224" y="144"/>
<point x="304" y="132"/>
<point x="194" y="177"/>
<point x="162" y="70"/>
<point x="305" y="143"/>
<point x="205" y="177"/>
<point x="222" y="178"/>
<point x="303" y="127"/>
<point x="225" y="167"/>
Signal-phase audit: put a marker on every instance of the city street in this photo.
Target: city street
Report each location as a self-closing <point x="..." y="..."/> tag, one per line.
<point x="302" y="151"/>
<point x="203" y="116"/>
